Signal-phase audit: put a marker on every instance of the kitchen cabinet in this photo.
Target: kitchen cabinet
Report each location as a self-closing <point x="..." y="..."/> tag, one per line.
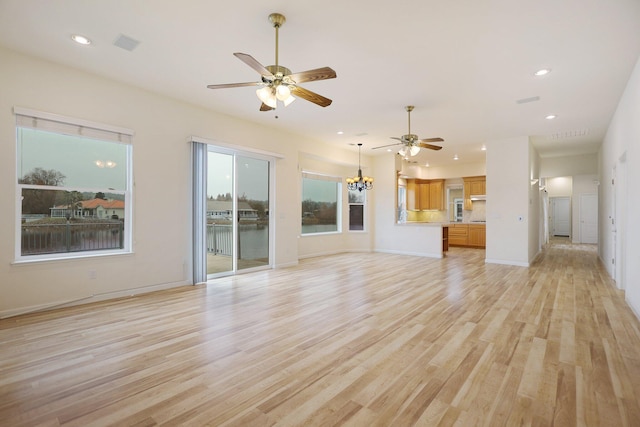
<point x="473" y="186"/>
<point x="436" y="194"/>
<point x="478" y="187"/>
<point x="425" y="201"/>
<point x="469" y="235"/>
<point x="458" y="234"/>
<point x="423" y="194"/>
<point x="477" y="235"/>
<point x="413" y="195"/>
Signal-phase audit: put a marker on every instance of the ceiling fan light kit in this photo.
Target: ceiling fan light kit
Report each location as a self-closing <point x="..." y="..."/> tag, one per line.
<point x="278" y="83"/>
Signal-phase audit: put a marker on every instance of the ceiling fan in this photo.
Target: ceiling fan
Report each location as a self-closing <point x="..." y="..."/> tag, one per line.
<point x="278" y="82"/>
<point x="411" y="143"/>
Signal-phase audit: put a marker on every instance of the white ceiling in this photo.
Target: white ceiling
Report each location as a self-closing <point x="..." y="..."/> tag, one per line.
<point x="462" y="63"/>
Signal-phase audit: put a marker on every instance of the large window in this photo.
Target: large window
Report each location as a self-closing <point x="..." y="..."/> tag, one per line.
<point x="73" y="184"/>
<point x="320" y="203"/>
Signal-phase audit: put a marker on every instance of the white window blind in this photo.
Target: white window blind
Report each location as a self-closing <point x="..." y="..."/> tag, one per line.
<point x="32" y="119"/>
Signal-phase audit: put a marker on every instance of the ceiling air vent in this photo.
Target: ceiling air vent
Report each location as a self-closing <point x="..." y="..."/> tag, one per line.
<point x="569" y="134"/>
<point x="126" y="42"/>
<point x="526" y="100"/>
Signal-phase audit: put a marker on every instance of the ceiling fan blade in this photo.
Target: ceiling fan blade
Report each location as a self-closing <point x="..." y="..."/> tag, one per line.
<point x="226" y="85"/>
<point x="431" y="140"/>
<point x="313" y="75"/>
<point x="251" y="62"/>
<point x="265" y="107"/>
<point x="429" y="146"/>
<point x="311" y="96"/>
<point x="384" y="146"/>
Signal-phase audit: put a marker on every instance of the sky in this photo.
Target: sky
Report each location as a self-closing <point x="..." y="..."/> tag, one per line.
<point x="87" y="168"/>
<point x="253" y="176"/>
<point x="253" y="179"/>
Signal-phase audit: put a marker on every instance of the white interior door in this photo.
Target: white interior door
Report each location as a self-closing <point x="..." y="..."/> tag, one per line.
<point x="561" y="208"/>
<point x="589" y="218"/>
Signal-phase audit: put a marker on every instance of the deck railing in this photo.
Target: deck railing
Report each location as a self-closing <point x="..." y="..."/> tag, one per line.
<point x="71" y="237"/>
<point x="220" y="239"/>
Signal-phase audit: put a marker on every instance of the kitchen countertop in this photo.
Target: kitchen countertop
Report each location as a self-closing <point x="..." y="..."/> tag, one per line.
<point x="441" y="224"/>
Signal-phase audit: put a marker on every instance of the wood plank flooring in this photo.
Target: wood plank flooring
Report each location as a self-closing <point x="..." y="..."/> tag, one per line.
<point x="353" y="339"/>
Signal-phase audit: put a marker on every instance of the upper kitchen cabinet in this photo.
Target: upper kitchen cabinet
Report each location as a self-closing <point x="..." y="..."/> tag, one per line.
<point x="436" y="194"/>
<point x="423" y="194"/>
<point x="413" y="195"/>
<point x="473" y="186"/>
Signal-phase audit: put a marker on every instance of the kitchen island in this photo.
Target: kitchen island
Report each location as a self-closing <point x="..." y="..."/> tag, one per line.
<point x="461" y="234"/>
<point x="420" y="238"/>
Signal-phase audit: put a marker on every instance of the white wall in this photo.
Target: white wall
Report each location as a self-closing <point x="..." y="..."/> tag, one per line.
<point x="508" y="193"/>
<point x="569" y="165"/>
<point x="409" y="239"/>
<point x="161" y="155"/>
<point x="621" y="150"/>
<point x="535" y="205"/>
<point x="446" y="172"/>
<point x="560" y="186"/>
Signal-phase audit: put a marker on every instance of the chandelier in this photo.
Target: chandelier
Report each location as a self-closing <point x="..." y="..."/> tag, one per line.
<point x="359" y="182"/>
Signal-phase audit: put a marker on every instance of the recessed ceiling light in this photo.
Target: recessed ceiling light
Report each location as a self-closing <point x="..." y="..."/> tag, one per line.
<point x="455" y="157"/>
<point x="389" y="150"/>
<point x="81" y="39"/>
<point x="542" y="72"/>
<point x="551" y="117"/>
<point x="340" y="132"/>
<point x="483" y="148"/>
<point x="427" y="164"/>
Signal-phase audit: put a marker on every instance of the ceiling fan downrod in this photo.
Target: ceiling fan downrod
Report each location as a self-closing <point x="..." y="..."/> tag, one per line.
<point x="409" y="109"/>
<point x="277" y="20"/>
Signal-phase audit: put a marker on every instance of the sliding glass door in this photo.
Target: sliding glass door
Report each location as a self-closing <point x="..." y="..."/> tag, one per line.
<point x="237" y="212"/>
<point x="252" y="212"/>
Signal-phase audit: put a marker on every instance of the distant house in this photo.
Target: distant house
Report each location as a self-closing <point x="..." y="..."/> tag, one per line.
<point x="94" y="208"/>
<point x="222" y="210"/>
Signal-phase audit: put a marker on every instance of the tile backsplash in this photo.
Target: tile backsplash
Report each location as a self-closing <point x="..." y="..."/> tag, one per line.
<point x="478" y="212"/>
<point x="427" y="216"/>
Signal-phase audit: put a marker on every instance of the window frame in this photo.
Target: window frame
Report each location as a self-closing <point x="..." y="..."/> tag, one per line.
<point x="327" y="178"/>
<point x="70" y="126"/>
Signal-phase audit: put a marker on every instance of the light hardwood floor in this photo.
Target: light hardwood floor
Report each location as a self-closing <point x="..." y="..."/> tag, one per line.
<point x="354" y="339"/>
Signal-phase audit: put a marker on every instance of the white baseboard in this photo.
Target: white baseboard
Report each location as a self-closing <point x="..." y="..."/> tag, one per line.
<point x="506" y="262"/>
<point x="286" y="264"/>
<point x="633" y="309"/>
<point x="421" y="254"/>
<point x="90" y="298"/>
<point x="329" y="253"/>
